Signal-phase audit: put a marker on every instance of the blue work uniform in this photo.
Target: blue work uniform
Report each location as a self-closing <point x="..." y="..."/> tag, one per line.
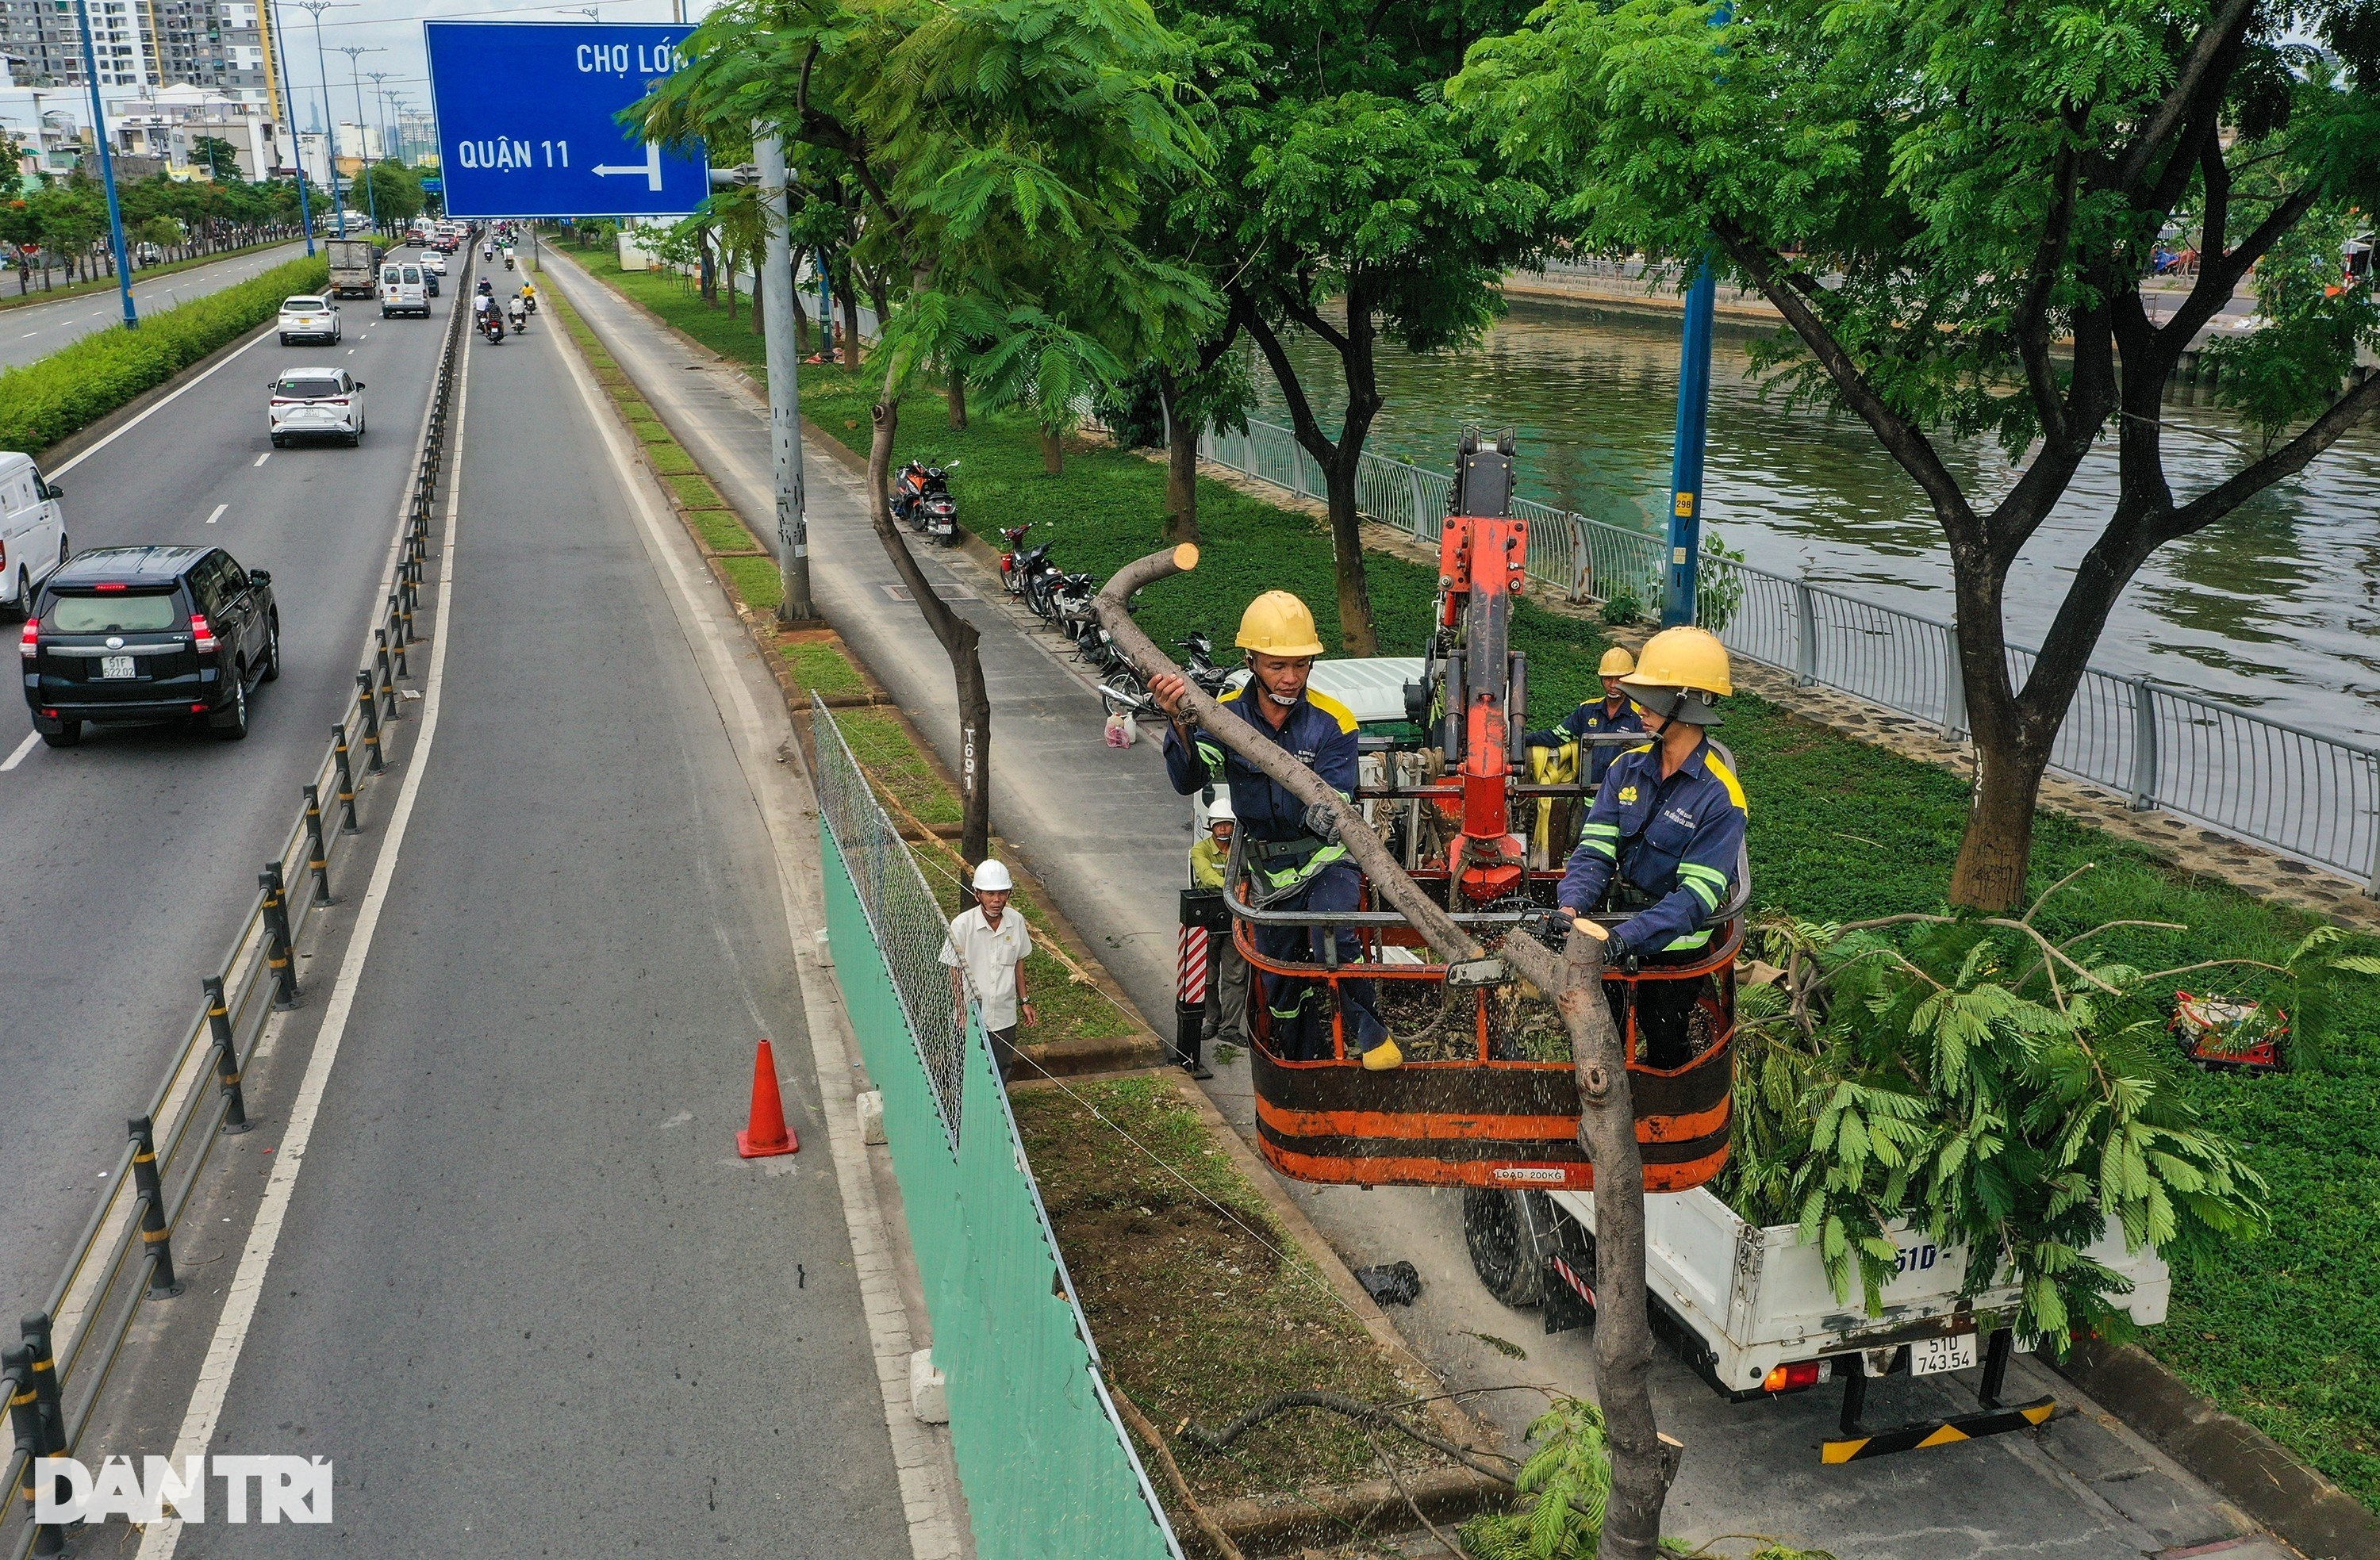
<point x="1592" y="717"/>
<point x="1674" y="842"/>
<point x="1293" y="870"/>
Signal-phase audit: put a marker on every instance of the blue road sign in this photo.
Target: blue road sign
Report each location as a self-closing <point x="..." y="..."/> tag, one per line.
<point x="525" y="120"/>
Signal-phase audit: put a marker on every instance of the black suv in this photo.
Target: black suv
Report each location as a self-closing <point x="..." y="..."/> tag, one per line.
<point x="126" y="634"/>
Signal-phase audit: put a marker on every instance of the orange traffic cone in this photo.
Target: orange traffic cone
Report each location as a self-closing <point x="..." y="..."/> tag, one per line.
<point x="767" y="1135"/>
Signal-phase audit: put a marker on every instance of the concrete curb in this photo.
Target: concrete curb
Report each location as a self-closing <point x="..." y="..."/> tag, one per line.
<point x="2240" y="1461"/>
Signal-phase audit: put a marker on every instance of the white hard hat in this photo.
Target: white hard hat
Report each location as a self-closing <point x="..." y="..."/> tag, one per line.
<point x="992" y="878"/>
<point x="1220" y="811"/>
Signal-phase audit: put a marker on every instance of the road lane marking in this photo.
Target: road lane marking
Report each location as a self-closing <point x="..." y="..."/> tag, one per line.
<point x="28" y="335"/>
<point x="213" y="1385"/>
<point x="753" y="739"/>
<point x="262" y="458"/>
<point x="218" y="513"/>
<point x="159" y="407"/>
<point x="19" y="756"/>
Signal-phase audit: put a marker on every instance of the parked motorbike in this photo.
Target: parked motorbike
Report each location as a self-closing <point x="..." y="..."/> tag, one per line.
<point x="1033" y="571"/>
<point x="1042" y="585"/>
<point x="921" y="496"/>
<point x="1209" y="679"/>
<point x="1013" y="543"/>
<point x="1070" y="602"/>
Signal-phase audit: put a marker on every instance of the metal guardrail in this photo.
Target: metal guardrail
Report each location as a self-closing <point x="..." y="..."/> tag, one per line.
<point x="60" y="1367"/>
<point x="2299" y="792"/>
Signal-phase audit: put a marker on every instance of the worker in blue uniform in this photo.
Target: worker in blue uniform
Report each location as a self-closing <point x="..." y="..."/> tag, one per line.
<point x="1612" y="713"/>
<point x="1296" y="863"/>
<point x="1664" y="838"/>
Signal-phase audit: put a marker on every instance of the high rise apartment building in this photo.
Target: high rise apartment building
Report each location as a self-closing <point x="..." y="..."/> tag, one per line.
<point x="222" y="46"/>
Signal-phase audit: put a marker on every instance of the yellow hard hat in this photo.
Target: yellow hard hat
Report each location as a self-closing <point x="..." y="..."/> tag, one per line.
<point x="1681" y="676"/>
<point x="1617" y="662"/>
<point x="1277" y="624"/>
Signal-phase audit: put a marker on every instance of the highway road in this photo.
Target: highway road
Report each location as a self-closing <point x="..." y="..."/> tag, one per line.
<point x="525" y="1296"/>
<point x="129" y="858"/>
<point x="36" y="329"/>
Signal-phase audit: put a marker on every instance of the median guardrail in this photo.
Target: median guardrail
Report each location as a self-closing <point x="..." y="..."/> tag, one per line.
<point x="124" y="1256"/>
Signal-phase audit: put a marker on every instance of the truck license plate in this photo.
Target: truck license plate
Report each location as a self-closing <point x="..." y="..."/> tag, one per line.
<point x="115" y="666"/>
<point x="1932" y="1356"/>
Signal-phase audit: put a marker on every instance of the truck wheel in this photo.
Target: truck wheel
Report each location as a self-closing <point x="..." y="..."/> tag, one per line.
<point x="1495" y="1227"/>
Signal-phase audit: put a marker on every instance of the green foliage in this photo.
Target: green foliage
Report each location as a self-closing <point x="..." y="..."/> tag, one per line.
<point x="1566" y="1483"/>
<point x="2289" y="371"/>
<point x="42" y="402"/>
<point x="1623" y="606"/>
<point x="2009" y="1095"/>
<point x="1719" y="588"/>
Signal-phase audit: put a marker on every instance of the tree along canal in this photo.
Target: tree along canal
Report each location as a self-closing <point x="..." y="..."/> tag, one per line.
<point x="2277" y="607"/>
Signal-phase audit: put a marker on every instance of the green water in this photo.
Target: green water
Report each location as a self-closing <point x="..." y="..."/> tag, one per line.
<point x="2277" y="607"/>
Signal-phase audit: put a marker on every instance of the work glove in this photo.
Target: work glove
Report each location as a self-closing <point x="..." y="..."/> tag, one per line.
<point x="1322" y="822"/>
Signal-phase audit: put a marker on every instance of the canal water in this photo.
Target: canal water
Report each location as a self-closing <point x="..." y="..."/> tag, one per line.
<point x="2277" y="607"/>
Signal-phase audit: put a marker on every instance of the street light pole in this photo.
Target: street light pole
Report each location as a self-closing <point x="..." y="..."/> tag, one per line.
<point x="777" y="305"/>
<point x="107" y="168"/>
<point x="330" y="128"/>
<point x="289" y="103"/>
<point x="353" y="50"/>
<point x="1681" y="577"/>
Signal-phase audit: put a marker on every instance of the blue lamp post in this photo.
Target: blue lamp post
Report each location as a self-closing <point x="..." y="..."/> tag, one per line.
<point x="106" y="169"/>
<point x="1682" y="575"/>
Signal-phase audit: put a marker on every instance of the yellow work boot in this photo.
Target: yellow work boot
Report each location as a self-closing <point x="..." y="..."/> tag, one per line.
<point x="1382" y="1056"/>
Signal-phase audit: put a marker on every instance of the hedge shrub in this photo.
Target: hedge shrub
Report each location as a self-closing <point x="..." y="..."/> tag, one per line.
<point x="42" y="402"/>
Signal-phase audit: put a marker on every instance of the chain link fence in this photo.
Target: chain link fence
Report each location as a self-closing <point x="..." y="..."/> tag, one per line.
<point x="2301" y="792"/>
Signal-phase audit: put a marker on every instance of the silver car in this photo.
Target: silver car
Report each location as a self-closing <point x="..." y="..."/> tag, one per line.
<point x="309" y="318"/>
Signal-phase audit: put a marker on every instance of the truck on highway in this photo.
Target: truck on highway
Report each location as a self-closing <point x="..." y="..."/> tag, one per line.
<point x="355" y="267"/>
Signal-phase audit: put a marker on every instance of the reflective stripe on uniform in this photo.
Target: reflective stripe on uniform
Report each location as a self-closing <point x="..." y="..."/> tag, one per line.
<point x="1603" y="839"/>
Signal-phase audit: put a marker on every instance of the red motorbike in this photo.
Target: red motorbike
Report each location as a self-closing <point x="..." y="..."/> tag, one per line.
<point x="1012" y="579"/>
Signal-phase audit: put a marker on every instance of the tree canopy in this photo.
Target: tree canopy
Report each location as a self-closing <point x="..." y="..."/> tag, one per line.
<point x="1954" y="208"/>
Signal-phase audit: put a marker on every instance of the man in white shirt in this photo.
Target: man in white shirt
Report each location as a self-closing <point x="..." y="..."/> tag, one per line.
<point x="986" y="949"/>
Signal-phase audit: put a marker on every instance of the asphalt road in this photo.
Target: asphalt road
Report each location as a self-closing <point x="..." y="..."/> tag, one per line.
<point x="1109" y="835"/>
<point x="36" y="329"/>
<point x="525" y="1295"/>
<point x="129" y="860"/>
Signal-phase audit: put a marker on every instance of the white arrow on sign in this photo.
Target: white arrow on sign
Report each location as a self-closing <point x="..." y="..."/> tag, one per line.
<point x="651" y="167"/>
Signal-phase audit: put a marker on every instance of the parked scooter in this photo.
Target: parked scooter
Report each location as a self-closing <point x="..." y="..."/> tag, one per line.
<point x="921" y="496"/>
<point x="1209" y="678"/>
<point x="1012" y="538"/>
<point x="1070" y="606"/>
<point x="1033" y="573"/>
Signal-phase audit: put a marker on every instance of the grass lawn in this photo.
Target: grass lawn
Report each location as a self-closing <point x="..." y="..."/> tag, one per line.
<point x="1201" y="1313"/>
<point x="2284" y="1331"/>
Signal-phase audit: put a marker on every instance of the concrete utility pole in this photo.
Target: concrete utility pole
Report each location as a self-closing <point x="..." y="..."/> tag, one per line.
<point x="107" y="168"/>
<point x="777" y="305"/>
<point x="329" y="127"/>
<point x="352" y="52"/>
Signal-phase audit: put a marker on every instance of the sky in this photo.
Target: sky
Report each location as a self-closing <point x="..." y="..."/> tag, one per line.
<point x="390" y="29"/>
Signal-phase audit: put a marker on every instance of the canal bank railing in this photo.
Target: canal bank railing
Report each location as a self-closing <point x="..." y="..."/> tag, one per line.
<point x="2300" y="792"/>
<point x="1042" y="1456"/>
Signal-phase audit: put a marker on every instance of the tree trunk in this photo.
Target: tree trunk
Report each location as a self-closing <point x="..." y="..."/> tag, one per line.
<point x="1180" y="463"/>
<point x="957" y="636"/>
<point x="1355" y="628"/>
<point x="851" y="328"/>
<point x="727" y="265"/>
<point x="1996" y="847"/>
<point x="1053" y="454"/>
<point x="957" y="395"/>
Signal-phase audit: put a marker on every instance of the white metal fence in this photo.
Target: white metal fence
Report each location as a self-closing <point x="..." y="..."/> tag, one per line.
<point x="2301" y="792"/>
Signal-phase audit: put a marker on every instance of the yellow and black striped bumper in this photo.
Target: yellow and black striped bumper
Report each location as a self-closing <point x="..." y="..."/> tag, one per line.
<point x="1938" y="1433"/>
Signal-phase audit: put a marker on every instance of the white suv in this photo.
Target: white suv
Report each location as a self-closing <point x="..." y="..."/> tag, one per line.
<point x="32" y="531"/>
<point x="315" y="319"/>
<point x="316" y="402"/>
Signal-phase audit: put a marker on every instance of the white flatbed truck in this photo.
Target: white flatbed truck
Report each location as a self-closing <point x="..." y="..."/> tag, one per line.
<point x="1750" y="1309"/>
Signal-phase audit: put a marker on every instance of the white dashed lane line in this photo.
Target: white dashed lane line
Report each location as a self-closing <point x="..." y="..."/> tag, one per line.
<point x="218" y="513"/>
<point x="262" y="458"/>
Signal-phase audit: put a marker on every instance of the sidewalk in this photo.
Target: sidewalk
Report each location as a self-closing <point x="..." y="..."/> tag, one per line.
<point x="1108" y="834"/>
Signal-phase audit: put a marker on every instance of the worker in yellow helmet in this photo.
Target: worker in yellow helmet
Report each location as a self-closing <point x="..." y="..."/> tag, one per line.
<point x="1666" y="832"/>
<point x="1611" y="713"/>
<point x="1294" y="863"/>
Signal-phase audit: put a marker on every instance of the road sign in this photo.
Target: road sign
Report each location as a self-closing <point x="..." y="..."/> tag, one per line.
<point x="526" y="123"/>
<point x="432" y="187"/>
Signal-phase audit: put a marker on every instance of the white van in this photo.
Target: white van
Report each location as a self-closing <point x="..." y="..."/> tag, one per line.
<point x="401" y="289"/>
<point x="32" y="531"/>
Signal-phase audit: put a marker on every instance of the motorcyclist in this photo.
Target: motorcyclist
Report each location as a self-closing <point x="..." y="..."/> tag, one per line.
<point x="516" y="312"/>
<point x="487" y="317"/>
<point x="1292" y="865"/>
<point x="528" y="296"/>
<point x="1665" y="835"/>
<point x="487" y="251"/>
